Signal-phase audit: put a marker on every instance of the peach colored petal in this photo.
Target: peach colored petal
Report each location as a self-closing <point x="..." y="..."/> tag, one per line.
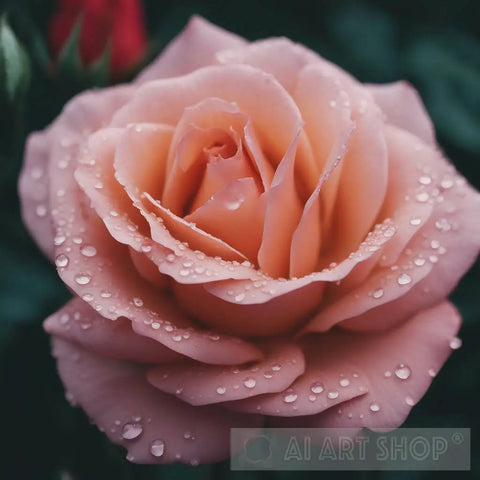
<point x="274" y="115"/>
<point x="274" y="315"/>
<point x="78" y="322"/>
<point x="154" y="427"/>
<point x="146" y="268"/>
<point x="398" y="367"/>
<point x="108" y="268"/>
<point x="443" y="244"/>
<point x="363" y="182"/>
<point x="235" y="215"/>
<point x="282" y="214"/>
<point x="33" y="192"/>
<point x="404" y="108"/>
<point x="199" y="384"/>
<point x="193" y="48"/>
<point x="161" y="219"/>
<point x="141" y="157"/>
<point x="126" y="224"/>
<point x="264" y="289"/>
<point x="324" y="107"/>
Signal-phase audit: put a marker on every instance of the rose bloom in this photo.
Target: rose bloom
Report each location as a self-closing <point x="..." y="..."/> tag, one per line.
<point x="252" y="237"/>
<point x="118" y="22"/>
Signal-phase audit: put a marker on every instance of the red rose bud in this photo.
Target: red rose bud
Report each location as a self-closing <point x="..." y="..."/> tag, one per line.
<point x="119" y="21"/>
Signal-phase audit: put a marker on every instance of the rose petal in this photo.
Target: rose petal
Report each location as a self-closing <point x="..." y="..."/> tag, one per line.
<point x="282" y="214"/>
<point x="235" y="215"/>
<point x="404" y="108"/>
<point x="78" y="322"/>
<point x="193" y="48"/>
<point x="154" y="427"/>
<point x="33" y="192"/>
<point x="199" y="384"/>
<point x="398" y="366"/>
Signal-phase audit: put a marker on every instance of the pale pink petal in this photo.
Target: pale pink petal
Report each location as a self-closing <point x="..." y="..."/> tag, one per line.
<point x="193" y="48"/>
<point x="274" y="115"/>
<point x="274" y="315"/>
<point x="404" y="108"/>
<point x="282" y="214"/>
<point x="200" y="384"/>
<point x="146" y="268"/>
<point x="397" y="365"/>
<point x="235" y="215"/>
<point x="78" y="322"/>
<point x="33" y="192"/>
<point x="154" y="427"/>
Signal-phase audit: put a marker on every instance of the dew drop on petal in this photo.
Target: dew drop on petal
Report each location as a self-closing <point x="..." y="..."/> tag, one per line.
<point x="409" y="401"/>
<point x="344" y="382"/>
<point x="61" y="261"/>
<point x="432" y="372"/>
<point x="378" y="293"/>
<point x="157" y="448"/>
<point x="290" y="397"/>
<point x="403" y="372"/>
<point x="82" y="279"/>
<point x="404" y="279"/>
<point x="221" y="390"/>
<point x="455" y="343"/>
<point x="317" y="387"/>
<point x="333" y="394"/>
<point x="88" y="251"/>
<point x="374" y="407"/>
<point x="415" y="221"/>
<point x="131" y="431"/>
<point x="249" y="382"/>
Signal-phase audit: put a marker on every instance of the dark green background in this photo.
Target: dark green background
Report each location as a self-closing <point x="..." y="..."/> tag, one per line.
<point x="434" y="44"/>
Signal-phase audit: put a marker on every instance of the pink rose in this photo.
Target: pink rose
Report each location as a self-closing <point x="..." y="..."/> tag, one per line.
<point x="216" y="219"/>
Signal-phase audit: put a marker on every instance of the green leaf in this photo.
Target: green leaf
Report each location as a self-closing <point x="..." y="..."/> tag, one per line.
<point x="14" y="64"/>
<point x="69" y="60"/>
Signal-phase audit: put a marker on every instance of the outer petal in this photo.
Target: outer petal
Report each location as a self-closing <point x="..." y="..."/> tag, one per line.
<point x="404" y="108"/>
<point x="33" y="191"/>
<point x="80" y="323"/>
<point x="195" y="47"/>
<point x="399" y="366"/>
<point x="153" y="426"/>
<point x="200" y="384"/>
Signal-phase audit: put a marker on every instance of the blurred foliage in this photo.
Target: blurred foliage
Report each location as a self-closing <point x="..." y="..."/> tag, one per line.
<point x="434" y="45"/>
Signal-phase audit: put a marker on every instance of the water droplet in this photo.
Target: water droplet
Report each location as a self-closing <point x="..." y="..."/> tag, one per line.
<point x="82" y="279"/>
<point x="105" y="294"/>
<point x="184" y="272"/>
<point x="138" y="301"/>
<point x="409" y="401"/>
<point x="374" y="407"/>
<point x="419" y="261"/>
<point x="434" y="244"/>
<point x="425" y="180"/>
<point x="88" y="297"/>
<point x="378" y="293"/>
<point x="157" y="448"/>
<point x="333" y="394"/>
<point x="235" y="203"/>
<point x="389" y="232"/>
<point x="432" y="372"/>
<point x="312" y="398"/>
<point x="240" y="297"/>
<point x="59" y="239"/>
<point x="188" y="436"/>
<point x="443" y="225"/>
<point x="41" y="210"/>
<point x="422" y="197"/>
<point x="88" y="251"/>
<point x="455" y="343"/>
<point x="290" y="397"/>
<point x="433" y="258"/>
<point x="221" y="390"/>
<point x="61" y="261"/>
<point x="446" y="183"/>
<point x="131" y="431"/>
<point x="344" y="382"/>
<point x="77" y="240"/>
<point x="249" y="382"/>
<point x="317" y="387"/>
<point x="387" y="374"/>
<point x="404" y="279"/>
<point x="415" y="221"/>
<point x="403" y="372"/>
<point x="113" y="213"/>
<point x="277" y="367"/>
